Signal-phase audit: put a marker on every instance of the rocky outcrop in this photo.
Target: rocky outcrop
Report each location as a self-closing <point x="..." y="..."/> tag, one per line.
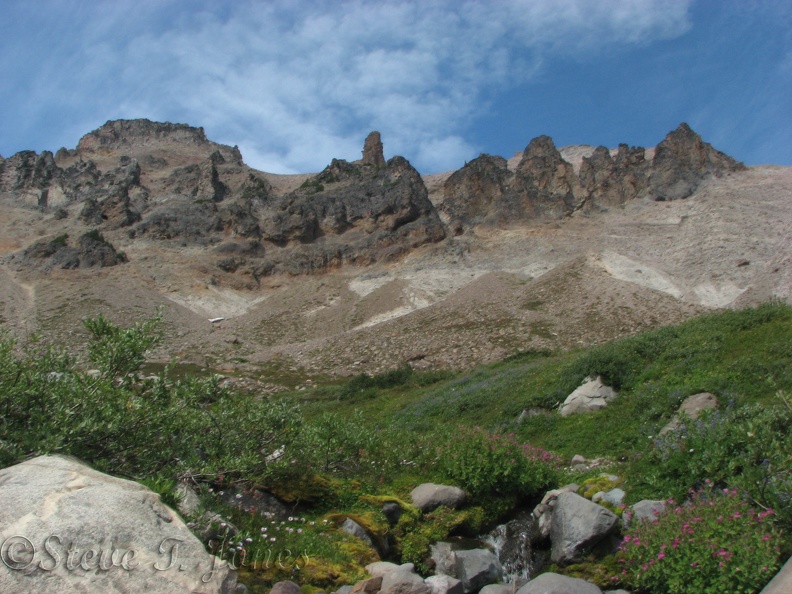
<point x="544" y="183"/>
<point x="91" y="250"/>
<point x="477" y="193"/>
<point x="544" y="186"/>
<point x="349" y="213"/>
<point x="372" y="150"/>
<point x="682" y="160"/>
<point x="75" y="529"/>
<point x="125" y="136"/>
<point x="609" y="181"/>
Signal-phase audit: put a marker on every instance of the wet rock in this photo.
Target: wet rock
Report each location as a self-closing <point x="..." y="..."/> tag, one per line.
<point x="578" y="525"/>
<point x="476" y="568"/>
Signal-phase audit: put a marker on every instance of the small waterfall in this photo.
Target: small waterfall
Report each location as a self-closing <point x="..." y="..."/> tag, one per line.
<point x="512" y="543"/>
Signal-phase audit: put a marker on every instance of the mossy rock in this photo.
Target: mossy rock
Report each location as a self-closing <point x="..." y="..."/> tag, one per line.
<point x="592" y="486"/>
<point x="603" y="572"/>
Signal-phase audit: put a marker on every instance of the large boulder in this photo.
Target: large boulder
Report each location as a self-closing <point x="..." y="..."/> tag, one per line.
<point x="402" y="581"/>
<point x="428" y="496"/>
<point x="476" y="568"/>
<point x="590" y="396"/>
<point x="553" y="583"/>
<point x="578" y="525"/>
<point x="444" y="584"/>
<point x="66" y="527"/>
<point x="543" y="512"/>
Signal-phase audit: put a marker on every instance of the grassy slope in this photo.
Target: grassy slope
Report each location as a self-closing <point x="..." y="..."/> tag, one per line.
<point x="742" y="356"/>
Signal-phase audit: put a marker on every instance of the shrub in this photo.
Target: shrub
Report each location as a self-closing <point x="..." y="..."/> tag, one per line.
<point x="492" y="464"/>
<point x="127" y="425"/>
<point x="713" y="544"/>
<point x="742" y="447"/>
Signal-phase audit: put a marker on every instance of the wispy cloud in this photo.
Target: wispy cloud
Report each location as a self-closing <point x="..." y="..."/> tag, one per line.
<point x="298" y="83"/>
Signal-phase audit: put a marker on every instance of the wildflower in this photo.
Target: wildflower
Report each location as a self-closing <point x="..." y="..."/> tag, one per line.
<point x="273" y="539"/>
<point x="238" y="495"/>
<point x="660" y="555"/>
<point x="299" y="530"/>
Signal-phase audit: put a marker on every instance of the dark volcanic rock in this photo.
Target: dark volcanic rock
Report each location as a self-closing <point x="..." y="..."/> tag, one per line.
<point x="90" y="251"/>
<point x="119" y="136"/>
<point x="544" y="183"/>
<point x="116" y="199"/>
<point x="545" y="187"/>
<point x="27" y="171"/>
<point x="372" y="150"/>
<point x="477" y="192"/>
<point x="350" y="213"/>
<point x="610" y="182"/>
<point x="682" y="160"/>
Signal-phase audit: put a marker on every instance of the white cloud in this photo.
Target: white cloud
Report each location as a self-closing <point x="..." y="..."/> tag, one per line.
<point x="298" y="83"/>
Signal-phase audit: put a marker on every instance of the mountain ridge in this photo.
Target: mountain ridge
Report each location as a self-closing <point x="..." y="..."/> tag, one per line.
<point x="367" y="265"/>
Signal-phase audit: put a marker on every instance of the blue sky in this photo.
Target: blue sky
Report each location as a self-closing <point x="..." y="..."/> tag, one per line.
<point x="297" y="83"/>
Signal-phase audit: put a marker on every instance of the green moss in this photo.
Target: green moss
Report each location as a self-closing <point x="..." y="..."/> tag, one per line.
<point x="601" y="483"/>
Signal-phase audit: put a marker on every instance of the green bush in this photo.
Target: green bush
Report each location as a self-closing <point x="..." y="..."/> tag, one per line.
<point x="745" y="447"/>
<point x="487" y="464"/>
<point x="128" y="425"/>
<point x="714" y="544"/>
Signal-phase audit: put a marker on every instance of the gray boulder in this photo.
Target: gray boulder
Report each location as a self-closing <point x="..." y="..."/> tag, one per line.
<point x="647" y="509"/>
<point x="553" y="583"/>
<point x="380" y="568"/>
<point x="578" y="524"/>
<point x="692" y="407"/>
<point x="614" y="497"/>
<point x="285" y="588"/>
<point x="444" y="558"/>
<point x="497" y="589"/>
<point x="476" y="568"/>
<point x="444" y="584"/>
<point x="401" y="581"/>
<point x="77" y="529"/>
<point x="353" y="528"/>
<point x="428" y="496"/>
<point x="367" y="586"/>
<point x="591" y="396"/>
<point x="543" y="512"/>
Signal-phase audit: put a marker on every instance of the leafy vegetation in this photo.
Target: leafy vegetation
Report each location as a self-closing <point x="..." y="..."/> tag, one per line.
<point x="716" y="543"/>
<point x="340" y="450"/>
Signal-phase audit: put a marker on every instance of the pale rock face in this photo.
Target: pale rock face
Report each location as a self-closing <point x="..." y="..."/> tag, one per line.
<point x="592" y="395"/>
<point x="69" y="528"/>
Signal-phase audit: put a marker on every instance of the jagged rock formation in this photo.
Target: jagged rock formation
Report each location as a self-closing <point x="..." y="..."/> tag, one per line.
<point x="349" y="213"/>
<point x="372" y="150"/>
<point x="168" y="182"/>
<point x="91" y="250"/>
<point x="544" y="186"/>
